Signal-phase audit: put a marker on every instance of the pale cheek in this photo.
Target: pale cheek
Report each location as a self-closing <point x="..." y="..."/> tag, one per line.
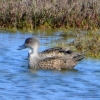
<point x="30" y="51"/>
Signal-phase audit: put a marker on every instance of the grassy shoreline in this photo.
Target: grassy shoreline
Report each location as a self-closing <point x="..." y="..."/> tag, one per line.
<point x="88" y="43"/>
<point x="48" y="14"/>
<point x="82" y="41"/>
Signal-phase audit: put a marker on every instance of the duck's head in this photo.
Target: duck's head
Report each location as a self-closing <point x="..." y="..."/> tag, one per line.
<point x="31" y="43"/>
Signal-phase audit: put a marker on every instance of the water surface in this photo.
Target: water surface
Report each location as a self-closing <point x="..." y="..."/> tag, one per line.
<point x="18" y="82"/>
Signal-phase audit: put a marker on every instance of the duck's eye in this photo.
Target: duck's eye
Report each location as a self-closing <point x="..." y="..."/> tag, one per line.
<point x="28" y="42"/>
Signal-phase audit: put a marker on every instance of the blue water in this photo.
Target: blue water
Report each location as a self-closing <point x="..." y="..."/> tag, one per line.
<point x="18" y="82"/>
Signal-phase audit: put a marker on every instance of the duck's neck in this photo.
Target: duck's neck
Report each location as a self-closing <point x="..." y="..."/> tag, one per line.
<point x="33" y="57"/>
<point x="34" y="51"/>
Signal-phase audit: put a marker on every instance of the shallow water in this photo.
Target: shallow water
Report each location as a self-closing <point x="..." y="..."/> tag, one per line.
<point x="18" y="82"/>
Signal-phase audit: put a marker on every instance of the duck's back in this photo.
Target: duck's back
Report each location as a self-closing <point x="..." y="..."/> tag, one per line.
<point x="56" y="51"/>
<point x="57" y="58"/>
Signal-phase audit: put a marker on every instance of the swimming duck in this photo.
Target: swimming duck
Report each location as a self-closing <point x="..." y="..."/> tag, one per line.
<point x="52" y="58"/>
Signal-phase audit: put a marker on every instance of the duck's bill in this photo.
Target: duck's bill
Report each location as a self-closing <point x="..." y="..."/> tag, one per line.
<point x="21" y="47"/>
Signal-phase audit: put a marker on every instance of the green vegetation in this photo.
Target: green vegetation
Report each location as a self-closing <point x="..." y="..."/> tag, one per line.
<point x="47" y="14"/>
<point x="88" y="43"/>
<point x="83" y="41"/>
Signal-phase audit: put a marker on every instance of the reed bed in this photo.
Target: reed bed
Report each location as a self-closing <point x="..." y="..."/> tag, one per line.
<point x="44" y="14"/>
<point x="88" y="43"/>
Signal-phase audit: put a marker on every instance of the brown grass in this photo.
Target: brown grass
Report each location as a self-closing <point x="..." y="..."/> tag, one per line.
<point x="31" y="14"/>
<point x="88" y="43"/>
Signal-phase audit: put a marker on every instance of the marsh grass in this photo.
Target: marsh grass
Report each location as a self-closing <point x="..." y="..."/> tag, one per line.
<point x="87" y="42"/>
<point x="47" y="14"/>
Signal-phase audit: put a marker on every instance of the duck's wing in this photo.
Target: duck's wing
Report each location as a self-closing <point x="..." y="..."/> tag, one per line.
<point x="57" y="62"/>
<point x="53" y="49"/>
<point x="51" y="63"/>
<point x="56" y="51"/>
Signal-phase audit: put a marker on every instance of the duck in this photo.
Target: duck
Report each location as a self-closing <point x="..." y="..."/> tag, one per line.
<point x="51" y="58"/>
